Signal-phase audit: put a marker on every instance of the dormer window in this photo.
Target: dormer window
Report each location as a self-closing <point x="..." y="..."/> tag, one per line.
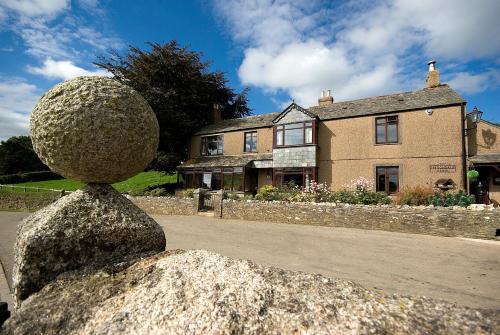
<point x="294" y="134"/>
<point x="212" y="145"/>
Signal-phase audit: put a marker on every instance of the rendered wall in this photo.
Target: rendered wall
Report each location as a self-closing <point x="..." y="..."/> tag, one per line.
<point x="347" y="148"/>
<point x="234" y="142"/>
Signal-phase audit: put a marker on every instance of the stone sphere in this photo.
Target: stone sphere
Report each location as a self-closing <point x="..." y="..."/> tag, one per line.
<point x="95" y="130"/>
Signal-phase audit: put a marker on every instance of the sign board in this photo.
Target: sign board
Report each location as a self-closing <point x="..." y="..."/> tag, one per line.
<point x="443" y="168"/>
<point x="207" y="180"/>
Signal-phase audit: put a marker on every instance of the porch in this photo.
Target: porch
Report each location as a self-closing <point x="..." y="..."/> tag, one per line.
<point x="487" y="186"/>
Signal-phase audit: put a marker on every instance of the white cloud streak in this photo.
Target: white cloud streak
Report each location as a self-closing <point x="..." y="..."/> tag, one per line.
<point x="303" y="47"/>
<point x="63" y="70"/>
<point x="475" y="82"/>
<point x="17" y="99"/>
<point x="33" y="8"/>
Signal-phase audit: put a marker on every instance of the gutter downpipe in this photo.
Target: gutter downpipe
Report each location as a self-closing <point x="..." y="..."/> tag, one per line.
<point x="465" y="142"/>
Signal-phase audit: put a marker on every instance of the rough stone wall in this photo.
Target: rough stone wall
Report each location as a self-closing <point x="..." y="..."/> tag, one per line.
<point x="164" y="205"/>
<point x="430" y="221"/>
<point x="27" y="201"/>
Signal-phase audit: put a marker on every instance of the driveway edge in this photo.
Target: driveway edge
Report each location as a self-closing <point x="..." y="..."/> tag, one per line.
<point x="5" y="293"/>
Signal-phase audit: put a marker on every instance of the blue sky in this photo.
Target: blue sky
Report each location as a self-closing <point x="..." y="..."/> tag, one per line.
<point x="280" y="49"/>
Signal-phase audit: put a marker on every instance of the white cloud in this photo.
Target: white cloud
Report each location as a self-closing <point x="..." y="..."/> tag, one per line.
<point x="68" y="37"/>
<point x="63" y="70"/>
<point x="473" y="83"/>
<point x="35" y="7"/>
<point x="17" y="99"/>
<point x="357" y="50"/>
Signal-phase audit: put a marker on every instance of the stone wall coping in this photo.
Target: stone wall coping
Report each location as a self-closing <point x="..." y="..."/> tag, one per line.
<point x="473" y="207"/>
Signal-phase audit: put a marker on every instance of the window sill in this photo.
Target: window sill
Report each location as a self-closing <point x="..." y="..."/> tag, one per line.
<point x="379" y="144"/>
<point x="295" y="145"/>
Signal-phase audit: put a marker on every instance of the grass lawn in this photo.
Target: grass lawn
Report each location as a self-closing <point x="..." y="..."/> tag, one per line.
<point x="138" y="182"/>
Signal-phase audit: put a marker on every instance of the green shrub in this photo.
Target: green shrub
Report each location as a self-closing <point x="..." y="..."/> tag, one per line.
<point x="156" y="192"/>
<point x="248" y="197"/>
<point x="372" y="198"/>
<point x="268" y="193"/>
<point x="448" y="199"/>
<point x="364" y="197"/>
<point x="415" y="196"/>
<point x="188" y="193"/>
<point x="28" y="177"/>
<point x="137" y="192"/>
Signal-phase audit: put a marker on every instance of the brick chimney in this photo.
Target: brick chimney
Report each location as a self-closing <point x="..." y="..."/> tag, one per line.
<point x="216" y="113"/>
<point x="326" y="98"/>
<point x="432" y="79"/>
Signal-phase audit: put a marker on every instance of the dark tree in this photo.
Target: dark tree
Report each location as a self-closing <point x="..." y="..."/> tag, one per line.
<point x="17" y="155"/>
<point x="181" y="90"/>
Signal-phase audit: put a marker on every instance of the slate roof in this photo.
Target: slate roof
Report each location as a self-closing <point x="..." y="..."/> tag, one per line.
<point x="224" y="161"/>
<point x="485" y="158"/>
<point x="426" y="98"/>
<point x="249" y="122"/>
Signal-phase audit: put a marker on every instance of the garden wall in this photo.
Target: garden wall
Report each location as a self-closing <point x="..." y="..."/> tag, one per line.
<point x="164" y="205"/>
<point x="439" y="221"/>
<point x="27" y="201"/>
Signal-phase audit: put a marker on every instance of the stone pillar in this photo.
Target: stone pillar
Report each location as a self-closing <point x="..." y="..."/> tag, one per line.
<point x="218" y="201"/>
<point x="198" y="197"/>
<point x="99" y="225"/>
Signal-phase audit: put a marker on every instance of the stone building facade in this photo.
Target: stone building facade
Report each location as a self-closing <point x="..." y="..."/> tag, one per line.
<point x="421" y="138"/>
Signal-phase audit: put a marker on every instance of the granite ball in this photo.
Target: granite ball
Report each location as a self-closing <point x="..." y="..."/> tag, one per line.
<point x="95" y="130"/>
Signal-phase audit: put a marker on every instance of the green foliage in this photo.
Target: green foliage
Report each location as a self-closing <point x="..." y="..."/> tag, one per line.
<point x="188" y="193"/>
<point x="415" y="196"/>
<point x="141" y="182"/>
<point x="362" y="196"/>
<point x="448" y="199"/>
<point x="268" y="193"/>
<point x="17" y="155"/>
<point x="372" y="198"/>
<point x="320" y="193"/>
<point x="472" y="174"/>
<point x="181" y="90"/>
<point x="28" y="177"/>
<point x="154" y="192"/>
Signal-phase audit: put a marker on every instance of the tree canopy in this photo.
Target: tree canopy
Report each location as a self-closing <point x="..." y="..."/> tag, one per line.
<point x="181" y="91"/>
<point x="17" y="155"/>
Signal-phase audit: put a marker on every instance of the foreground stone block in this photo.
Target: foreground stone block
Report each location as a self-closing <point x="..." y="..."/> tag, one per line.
<point x="197" y="292"/>
<point x="92" y="227"/>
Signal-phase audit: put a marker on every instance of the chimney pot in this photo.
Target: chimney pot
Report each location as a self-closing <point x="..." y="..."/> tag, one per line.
<point x="326" y="98"/>
<point x="432" y="79"/>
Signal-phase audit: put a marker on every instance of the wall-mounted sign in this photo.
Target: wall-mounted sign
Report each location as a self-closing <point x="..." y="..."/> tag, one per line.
<point x="442" y="167"/>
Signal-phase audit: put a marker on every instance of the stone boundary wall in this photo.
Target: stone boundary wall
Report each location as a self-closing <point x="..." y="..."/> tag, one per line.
<point x="27" y="201"/>
<point x="439" y="221"/>
<point x="164" y="205"/>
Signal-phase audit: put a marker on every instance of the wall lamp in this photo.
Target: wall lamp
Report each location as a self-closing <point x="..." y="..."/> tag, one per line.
<point x="475" y="117"/>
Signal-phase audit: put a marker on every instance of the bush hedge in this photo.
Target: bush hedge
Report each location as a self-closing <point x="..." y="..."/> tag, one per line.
<point x="28" y="176"/>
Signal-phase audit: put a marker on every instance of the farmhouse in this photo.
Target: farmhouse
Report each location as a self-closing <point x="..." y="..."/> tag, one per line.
<point x="421" y="138"/>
